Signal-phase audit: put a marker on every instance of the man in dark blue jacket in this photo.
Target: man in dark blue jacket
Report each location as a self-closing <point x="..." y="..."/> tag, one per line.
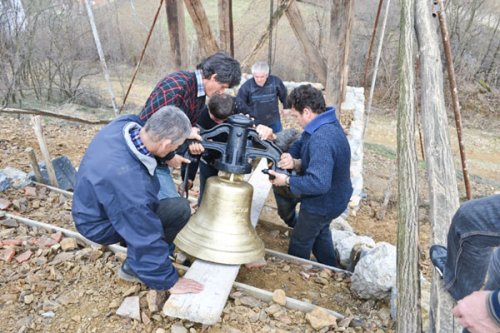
<point x="322" y="159"/>
<point x="258" y="97"/>
<point x="115" y="198"/>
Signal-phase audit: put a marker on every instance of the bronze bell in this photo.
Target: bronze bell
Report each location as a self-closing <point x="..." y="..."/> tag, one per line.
<point x="221" y="231"/>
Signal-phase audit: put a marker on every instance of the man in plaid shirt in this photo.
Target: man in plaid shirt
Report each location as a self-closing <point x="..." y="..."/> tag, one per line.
<point x="188" y="91"/>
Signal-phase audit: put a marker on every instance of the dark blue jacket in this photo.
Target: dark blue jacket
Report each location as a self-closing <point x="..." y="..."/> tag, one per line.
<point x="325" y="182"/>
<point x="116" y="196"/>
<point x="261" y="103"/>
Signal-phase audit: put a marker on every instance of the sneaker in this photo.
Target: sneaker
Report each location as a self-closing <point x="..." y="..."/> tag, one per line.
<point x="438" y="254"/>
<point x="127" y="274"/>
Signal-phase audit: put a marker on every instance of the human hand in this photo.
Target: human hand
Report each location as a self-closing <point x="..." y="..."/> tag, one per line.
<point x="279" y="178"/>
<point x="186" y="286"/>
<point x="286" y="161"/>
<point x="177" y="161"/>
<point x="195" y="134"/>
<point x="265" y="133"/>
<point x="472" y="313"/>
<point x="196" y="148"/>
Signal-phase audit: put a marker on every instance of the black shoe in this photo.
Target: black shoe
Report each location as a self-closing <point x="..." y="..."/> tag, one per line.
<point x="438" y="254"/>
<point x="127" y="274"/>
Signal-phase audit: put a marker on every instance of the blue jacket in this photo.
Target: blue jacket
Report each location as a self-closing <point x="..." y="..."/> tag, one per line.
<point x="325" y="182"/>
<point x="116" y="196"/>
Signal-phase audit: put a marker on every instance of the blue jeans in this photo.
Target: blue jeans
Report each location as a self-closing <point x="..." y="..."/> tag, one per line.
<point x="206" y="171"/>
<point x="167" y="185"/>
<point x="311" y="232"/>
<point x="473" y="259"/>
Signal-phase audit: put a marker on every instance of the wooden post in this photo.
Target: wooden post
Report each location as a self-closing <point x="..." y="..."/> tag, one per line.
<point x="200" y="21"/>
<point x="318" y="64"/>
<point x="101" y="55"/>
<point x="454" y="94"/>
<point x="341" y="17"/>
<point x="37" y="127"/>
<point x="177" y="33"/>
<point x="441" y="176"/>
<point x="34" y="165"/>
<point x="408" y="317"/>
<point x="224" y="25"/>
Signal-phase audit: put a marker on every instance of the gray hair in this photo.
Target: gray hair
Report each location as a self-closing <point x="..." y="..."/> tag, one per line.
<point x="168" y="123"/>
<point x="260" y="67"/>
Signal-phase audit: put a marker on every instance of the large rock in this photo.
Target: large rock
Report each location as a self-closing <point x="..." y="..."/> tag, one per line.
<point x="345" y="245"/>
<point x="4" y="182"/>
<point x="17" y="178"/>
<point x="375" y="273"/>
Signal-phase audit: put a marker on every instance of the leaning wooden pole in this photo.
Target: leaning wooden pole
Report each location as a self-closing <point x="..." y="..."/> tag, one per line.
<point x="142" y="55"/>
<point x="372" y="42"/>
<point x="441" y="175"/>
<point x="101" y="55"/>
<point x="454" y="94"/>
<point x="408" y="317"/>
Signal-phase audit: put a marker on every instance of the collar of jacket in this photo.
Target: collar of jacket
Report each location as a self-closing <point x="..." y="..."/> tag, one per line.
<point x="148" y="161"/>
<point x="326" y="117"/>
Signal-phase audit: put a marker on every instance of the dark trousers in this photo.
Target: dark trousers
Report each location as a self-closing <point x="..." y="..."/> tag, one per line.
<point x="174" y="213"/>
<point x="473" y="259"/>
<point x="311" y="232"/>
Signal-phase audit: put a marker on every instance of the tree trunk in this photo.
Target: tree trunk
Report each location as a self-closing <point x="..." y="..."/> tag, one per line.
<point x="441" y="176"/>
<point x="200" y="21"/>
<point x="224" y="25"/>
<point x="408" y="317"/>
<point x="177" y="33"/>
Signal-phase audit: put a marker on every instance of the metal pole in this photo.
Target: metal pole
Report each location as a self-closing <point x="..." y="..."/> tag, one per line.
<point x="454" y="94"/>
<point x="101" y="55"/>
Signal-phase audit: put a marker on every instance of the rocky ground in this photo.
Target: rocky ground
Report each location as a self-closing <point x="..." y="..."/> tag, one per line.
<point x="55" y="284"/>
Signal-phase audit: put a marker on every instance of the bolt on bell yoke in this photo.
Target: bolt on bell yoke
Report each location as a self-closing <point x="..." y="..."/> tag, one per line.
<point x="221" y="231"/>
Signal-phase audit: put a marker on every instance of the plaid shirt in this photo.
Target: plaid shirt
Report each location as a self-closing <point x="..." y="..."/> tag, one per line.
<point x="182" y="89"/>
<point x="136" y="140"/>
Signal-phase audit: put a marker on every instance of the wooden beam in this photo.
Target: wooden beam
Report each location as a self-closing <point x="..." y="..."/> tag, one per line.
<point x="200" y="21"/>
<point x="318" y="64"/>
<point x="225" y="9"/>
<point x="34" y="164"/>
<point x="177" y="33"/>
<point x="264" y="36"/>
<point x="206" y="307"/>
<point x="440" y="167"/>
<point x="54" y="114"/>
<point x="341" y="17"/>
<point x="37" y="127"/>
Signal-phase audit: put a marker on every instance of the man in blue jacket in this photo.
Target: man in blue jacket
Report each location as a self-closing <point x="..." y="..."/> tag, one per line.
<point x="115" y="198"/>
<point x="322" y="159"/>
<point x="258" y="97"/>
